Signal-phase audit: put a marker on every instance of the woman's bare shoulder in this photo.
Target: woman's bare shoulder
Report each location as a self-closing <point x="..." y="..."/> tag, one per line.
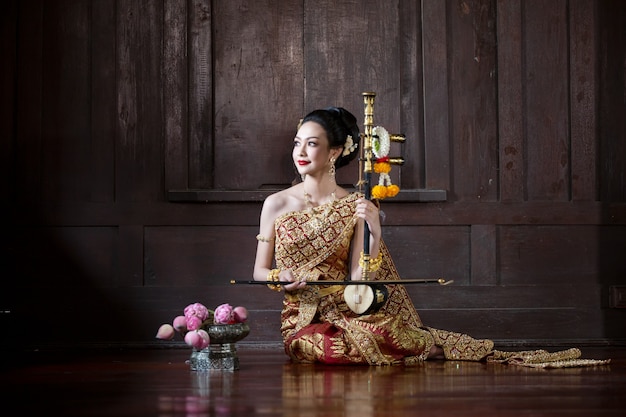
<point x="282" y="202"/>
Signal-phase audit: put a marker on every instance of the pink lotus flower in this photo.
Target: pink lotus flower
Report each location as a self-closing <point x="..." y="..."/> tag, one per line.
<point x="166" y="332"/>
<point x="180" y="323"/>
<point x="224" y="314"/>
<point x="198" y="339"/>
<point x="240" y="314"/>
<point x="197" y="310"/>
<point x="193" y="323"/>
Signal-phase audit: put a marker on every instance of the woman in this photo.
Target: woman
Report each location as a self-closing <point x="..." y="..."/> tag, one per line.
<point x="315" y="230"/>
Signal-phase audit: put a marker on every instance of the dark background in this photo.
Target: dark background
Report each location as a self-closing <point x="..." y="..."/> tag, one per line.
<point x="139" y="138"/>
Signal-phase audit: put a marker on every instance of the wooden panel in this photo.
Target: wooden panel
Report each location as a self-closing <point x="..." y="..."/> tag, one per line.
<point x="103" y="97"/>
<point x="258" y="92"/>
<point x="201" y="149"/>
<point x="175" y="83"/>
<point x="411" y="93"/>
<point x="139" y="156"/>
<point x="430" y="252"/>
<point x="510" y="102"/>
<point x="484" y="253"/>
<point x="612" y="83"/>
<point x="473" y="107"/>
<point x="351" y="49"/>
<point x="436" y="95"/>
<point x="186" y="256"/>
<point x="65" y="121"/>
<point x="583" y="99"/>
<point x="545" y="254"/>
<point x="546" y="99"/>
<point x="520" y="325"/>
<point x="29" y="103"/>
<point x="70" y="258"/>
<point x="8" y="49"/>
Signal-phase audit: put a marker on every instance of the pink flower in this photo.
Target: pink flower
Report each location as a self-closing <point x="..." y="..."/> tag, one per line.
<point x="193" y="323"/>
<point x="206" y="340"/>
<point x="224" y="314"/>
<point x="197" y="310"/>
<point x="165" y="332"/>
<point x="180" y="323"/>
<point x="240" y="314"/>
<point x="198" y="339"/>
<point x="194" y="339"/>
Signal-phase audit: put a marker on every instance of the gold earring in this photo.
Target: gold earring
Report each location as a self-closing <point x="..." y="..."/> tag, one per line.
<point x="332" y="169"/>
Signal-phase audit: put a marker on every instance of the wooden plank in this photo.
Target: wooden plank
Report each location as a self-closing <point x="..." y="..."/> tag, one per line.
<point x="66" y="97"/>
<point x="350" y="49"/>
<point x="199" y="64"/>
<point x="483" y="253"/>
<point x="139" y="155"/>
<point x="436" y="95"/>
<point x="400" y="214"/>
<point x="421" y="252"/>
<point x="175" y="95"/>
<point x="612" y="83"/>
<point x="411" y="92"/>
<point x="546" y="104"/>
<point x="8" y="75"/>
<point x="353" y="48"/>
<point x="193" y="255"/>
<point x="583" y="99"/>
<point x="102" y="101"/>
<point x="473" y="106"/>
<point x="510" y="101"/>
<point x="258" y="78"/>
<point x="28" y="172"/>
<point x="132" y="271"/>
<point x="520" y="325"/>
<point x="566" y="255"/>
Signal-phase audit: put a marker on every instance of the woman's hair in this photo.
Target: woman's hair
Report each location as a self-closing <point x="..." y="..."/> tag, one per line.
<point x="338" y="123"/>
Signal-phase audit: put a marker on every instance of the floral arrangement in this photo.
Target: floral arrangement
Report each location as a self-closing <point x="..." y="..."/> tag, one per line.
<point x="380" y="146"/>
<point x="196" y="318"/>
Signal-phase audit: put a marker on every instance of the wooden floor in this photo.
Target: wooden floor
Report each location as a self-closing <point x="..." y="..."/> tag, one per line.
<point x="158" y="382"/>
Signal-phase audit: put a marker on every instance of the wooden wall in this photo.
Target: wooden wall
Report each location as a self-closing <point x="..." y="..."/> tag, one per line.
<point x="139" y="138"/>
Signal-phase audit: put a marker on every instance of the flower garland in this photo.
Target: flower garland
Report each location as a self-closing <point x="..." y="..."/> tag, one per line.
<point x="381" y="145"/>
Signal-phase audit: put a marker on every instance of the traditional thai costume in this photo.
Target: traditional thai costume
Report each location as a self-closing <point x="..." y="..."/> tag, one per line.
<point x="318" y="325"/>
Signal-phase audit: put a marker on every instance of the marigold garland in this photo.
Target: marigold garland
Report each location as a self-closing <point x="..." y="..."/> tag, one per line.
<point x="381" y="145"/>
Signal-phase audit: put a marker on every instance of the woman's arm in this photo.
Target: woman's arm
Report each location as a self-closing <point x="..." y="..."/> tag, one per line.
<point x="264" y="260"/>
<point x="368" y="212"/>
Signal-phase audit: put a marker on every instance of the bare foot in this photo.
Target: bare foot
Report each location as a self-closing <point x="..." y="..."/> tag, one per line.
<point x="435" y="353"/>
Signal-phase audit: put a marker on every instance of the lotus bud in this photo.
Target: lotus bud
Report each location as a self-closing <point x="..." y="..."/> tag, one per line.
<point x="193" y="339"/>
<point x="165" y="332"/>
<point x="193" y="323"/>
<point x="180" y="323"/>
<point x="223" y="314"/>
<point x="206" y="340"/>
<point x="240" y="314"/>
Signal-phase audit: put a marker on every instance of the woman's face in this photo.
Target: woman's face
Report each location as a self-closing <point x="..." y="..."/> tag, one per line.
<point x="311" y="153"/>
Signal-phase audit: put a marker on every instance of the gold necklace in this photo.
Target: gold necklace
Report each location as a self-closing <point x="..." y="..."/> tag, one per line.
<point x="319" y="218"/>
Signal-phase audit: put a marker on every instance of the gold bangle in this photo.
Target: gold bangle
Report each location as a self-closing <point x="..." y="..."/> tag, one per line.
<point x="264" y="239"/>
<point x="374" y="264"/>
<point x="272" y="276"/>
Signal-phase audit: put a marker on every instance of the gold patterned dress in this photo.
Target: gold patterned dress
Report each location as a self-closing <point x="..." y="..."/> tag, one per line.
<point x="318" y="326"/>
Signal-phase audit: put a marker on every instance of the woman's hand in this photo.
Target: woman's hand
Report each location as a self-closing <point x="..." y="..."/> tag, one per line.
<point x="287" y="276"/>
<point x="369" y="212"/>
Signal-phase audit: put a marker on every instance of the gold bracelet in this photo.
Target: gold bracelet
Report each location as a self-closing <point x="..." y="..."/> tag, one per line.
<point x="374" y="264"/>
<point x="272" y="276"/>
<point x="264" y="239"/>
